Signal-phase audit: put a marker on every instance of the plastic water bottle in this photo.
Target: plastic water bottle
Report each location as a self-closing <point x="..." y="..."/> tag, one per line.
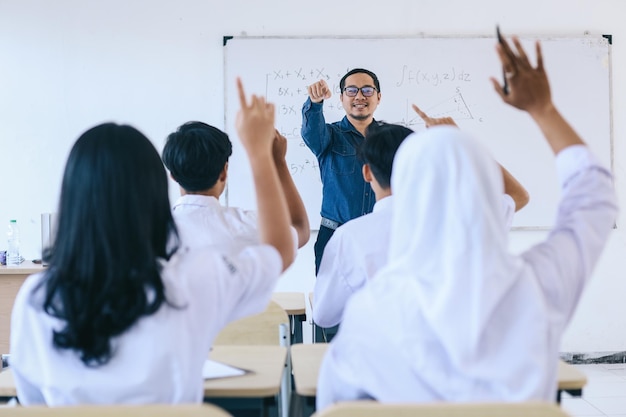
<point x="13" y="250"/>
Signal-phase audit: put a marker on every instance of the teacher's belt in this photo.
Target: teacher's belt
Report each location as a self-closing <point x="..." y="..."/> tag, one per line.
<point x="331" y="224"/>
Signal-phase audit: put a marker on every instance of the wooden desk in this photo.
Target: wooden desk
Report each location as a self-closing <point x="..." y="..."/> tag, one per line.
<point x="7" y="384"/>
<point x="91" y="410"/>
<point x="367" y="408"/>
<point x="306" y="360"/>
<point x="267" y="364"/>
<point x="11" y="279"/>
<point x="570" y="380"/>
<point x="295" y="306"/>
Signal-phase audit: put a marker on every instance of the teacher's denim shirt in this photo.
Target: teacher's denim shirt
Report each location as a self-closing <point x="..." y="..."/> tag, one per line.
<point x="345" y="194"/>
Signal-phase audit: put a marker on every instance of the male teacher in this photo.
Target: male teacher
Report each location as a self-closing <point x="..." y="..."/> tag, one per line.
<point x="345" y="194"/>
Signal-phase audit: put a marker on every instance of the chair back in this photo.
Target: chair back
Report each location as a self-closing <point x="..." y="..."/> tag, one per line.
<point x="270" y="327"/>
<point x="375" y="409"/>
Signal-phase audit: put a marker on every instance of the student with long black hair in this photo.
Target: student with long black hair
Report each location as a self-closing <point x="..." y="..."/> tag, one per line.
<point x="122" y="315"/>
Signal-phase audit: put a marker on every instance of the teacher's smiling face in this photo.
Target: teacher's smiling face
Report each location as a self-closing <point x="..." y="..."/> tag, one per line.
<point x="360" y="97"/>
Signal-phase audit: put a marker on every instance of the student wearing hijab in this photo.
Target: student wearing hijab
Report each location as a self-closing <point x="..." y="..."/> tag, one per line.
<point x="457" y="317"/>
<point x="121" y="316"/>
<point x="358" y="249"/>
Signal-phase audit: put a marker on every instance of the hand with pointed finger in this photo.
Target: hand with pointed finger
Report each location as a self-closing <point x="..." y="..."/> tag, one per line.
<point x="529" y="88"/>
<point x="433" y="121"/>
<point x="255" y="123"/>
<point x="319" y="91"/>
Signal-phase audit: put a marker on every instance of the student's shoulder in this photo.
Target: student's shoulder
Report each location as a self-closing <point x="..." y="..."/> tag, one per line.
<point x="191" y="202"/>
<point x="33" y="281"/>
<point x="362" y="307"/>
<point x="356" y="225"/>
<point x="241" y="213"/>
<point x="31" y="287"/>
<point x="191" y="261"/>
<point x="218" y="259"/>
<point x="242" y="223"/>
<point x="351" y="235"/>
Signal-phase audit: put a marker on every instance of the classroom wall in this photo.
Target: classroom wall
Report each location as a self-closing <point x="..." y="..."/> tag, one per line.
<point x="67" y="65"/>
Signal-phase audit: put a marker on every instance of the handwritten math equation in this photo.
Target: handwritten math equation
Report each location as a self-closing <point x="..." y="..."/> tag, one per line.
<point x="294" y="82"/>
<point x="419" y="76"/>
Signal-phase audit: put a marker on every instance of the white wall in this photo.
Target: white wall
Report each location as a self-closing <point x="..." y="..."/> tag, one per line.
<point x="67" y="65"/>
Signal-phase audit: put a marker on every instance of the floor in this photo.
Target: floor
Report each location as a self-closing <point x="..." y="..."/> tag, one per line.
<point x="604" y="394"/>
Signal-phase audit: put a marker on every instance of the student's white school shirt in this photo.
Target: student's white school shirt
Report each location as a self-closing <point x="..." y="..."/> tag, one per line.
<point x="492" y="337"/>
<point x="353" y="255"/>
<point x="160" y="358"/>
<point x="201" y="221"/>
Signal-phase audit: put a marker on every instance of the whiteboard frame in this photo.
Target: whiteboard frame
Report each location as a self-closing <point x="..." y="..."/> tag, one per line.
<point x="423" y="36"/>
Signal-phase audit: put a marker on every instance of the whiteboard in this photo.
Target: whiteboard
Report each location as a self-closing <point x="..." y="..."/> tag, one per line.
<point x="445" y="76"/>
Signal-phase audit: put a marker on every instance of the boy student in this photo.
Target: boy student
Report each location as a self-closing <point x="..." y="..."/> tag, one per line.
<point x="196" y="155"/>
<point x="458" y="318"/>
<point x="122" y="316"/>
<point x="358" y="249"/>
<point x="345" y="194"/>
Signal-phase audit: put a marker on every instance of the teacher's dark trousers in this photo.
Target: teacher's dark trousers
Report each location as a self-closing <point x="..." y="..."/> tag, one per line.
<point x="323" y="335"/>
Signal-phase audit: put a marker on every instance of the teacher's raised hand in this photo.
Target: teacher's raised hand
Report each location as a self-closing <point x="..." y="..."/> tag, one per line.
<point x="319" y="91"/>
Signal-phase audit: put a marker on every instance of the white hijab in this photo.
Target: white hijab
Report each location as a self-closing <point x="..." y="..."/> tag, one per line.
<point x="448" y="236"/>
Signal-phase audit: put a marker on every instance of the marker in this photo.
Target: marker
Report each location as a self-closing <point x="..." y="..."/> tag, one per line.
<point x="506" y="84"/>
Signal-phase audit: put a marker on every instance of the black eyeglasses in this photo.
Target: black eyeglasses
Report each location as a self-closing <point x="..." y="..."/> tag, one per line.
<point x="352" y="91"/>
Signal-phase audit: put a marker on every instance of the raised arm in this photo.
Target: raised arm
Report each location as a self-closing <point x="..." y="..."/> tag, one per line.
<point x="529" y="90"/>
<point x="587" y="209"/>
<point x="315" y="133"/>
<point x="512" y="187"/>
<point x="255" y="126"/>
<point x="297" y="211"/>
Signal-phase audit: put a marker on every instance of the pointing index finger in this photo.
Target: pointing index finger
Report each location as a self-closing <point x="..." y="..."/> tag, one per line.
<point x="242" y="95"/>
<point x="539" y="56"/>
<point x="420" y="113"/>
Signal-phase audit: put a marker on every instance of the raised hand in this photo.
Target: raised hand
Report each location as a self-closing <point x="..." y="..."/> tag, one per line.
<point x="529" y="88"/>
<point x="279" y="147"/>
<point x="319" y="91"/>
<point x="255" y="123"/>
<point x="432" y="121"/>
<point x="297" y="211"/>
